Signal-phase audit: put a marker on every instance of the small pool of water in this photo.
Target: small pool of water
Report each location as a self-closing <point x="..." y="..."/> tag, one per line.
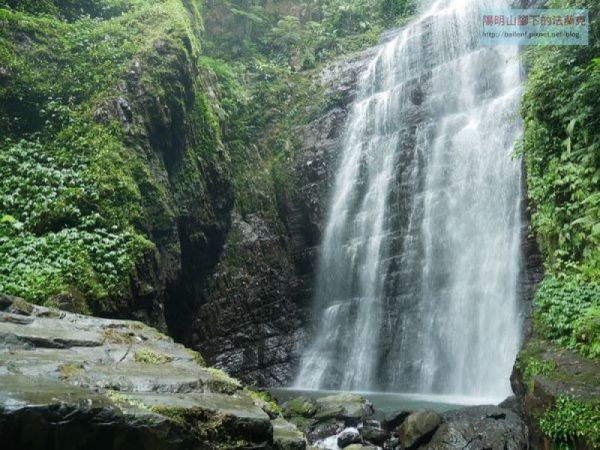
<point x="385" y="402"/>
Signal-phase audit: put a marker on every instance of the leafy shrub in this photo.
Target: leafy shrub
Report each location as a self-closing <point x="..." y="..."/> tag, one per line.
<point x="532" y="367"/>
<point x="70" y="197"/>
<point x="561" y="111"/>
<point x="561" y="301"/>
<point x="587" y="332"/>
<point x="571" y="421"/>
<point x="298" y="35"/>
<point x="563" y="304"/>
<point x="72" y="9"/>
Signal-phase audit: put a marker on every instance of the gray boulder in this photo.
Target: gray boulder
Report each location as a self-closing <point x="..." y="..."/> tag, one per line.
<point x="480" y="427"/>
<point x="417" y="427"/>
<point x="286" y="436"/>
<point x="321" y="430"/>
<point x="351" y="408"/>
<point x="394" y="419"/>
<point x="373" y="434"/>
<point x="347" y="437"/>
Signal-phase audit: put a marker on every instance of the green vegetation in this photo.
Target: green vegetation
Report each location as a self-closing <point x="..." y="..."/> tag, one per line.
<point x="148" y="355"/>
<point x="571" y="421"/>
<point x="587" y="332"/>
<point x="532" y="366"/>
<point x="267" y="58"/>
<point x="90" y="89"/>
<point x="562" y="149"/>
<point x="221" y="382"/>
<point x="265" y="400"/>
<point x="563" y="301"/>
<point x="561" y="110"/>
<point x="197" y="357"/>
<point x="69" y="370"/>
<point x="77" y="187"/>
<point x="298" y="34"/>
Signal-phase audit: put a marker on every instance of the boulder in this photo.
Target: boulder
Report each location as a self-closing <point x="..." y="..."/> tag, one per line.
<point x="373" y="434"/>
<point x="568" y="373"/>
<point x="417" y="427"/>
<point x="394" y="419"/>
<point x="286" y="436"/>
<point x="512" y="404"/>
<point x="321" y="430"/>
<point x="479" y="427"/>
<point x="351" y="408"/>
<point x="347" y="437"/>
<point x="300" y="406"/>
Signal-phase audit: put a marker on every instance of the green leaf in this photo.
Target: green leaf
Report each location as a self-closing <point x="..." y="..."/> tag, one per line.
<point x="570" y="127"/>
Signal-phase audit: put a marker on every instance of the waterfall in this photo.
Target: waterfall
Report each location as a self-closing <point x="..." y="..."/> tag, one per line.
<point x="416" y="287"/>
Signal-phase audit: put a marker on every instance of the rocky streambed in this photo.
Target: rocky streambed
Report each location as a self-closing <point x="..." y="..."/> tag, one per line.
<point x="349" y="421"/>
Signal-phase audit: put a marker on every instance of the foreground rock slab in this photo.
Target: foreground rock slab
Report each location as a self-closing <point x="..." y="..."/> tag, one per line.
<point x="69" y="381"/>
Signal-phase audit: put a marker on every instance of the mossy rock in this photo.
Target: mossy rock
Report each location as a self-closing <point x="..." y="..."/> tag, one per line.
<point x="300" y="406"/>
<point x="148" y="355"/>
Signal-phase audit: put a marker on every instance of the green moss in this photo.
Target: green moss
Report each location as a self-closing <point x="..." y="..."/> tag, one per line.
<point x="148" y="355"/>
<point x="69" y="370"/>
<point x="20" y="306"/>
<point x="115" y="336"/>
<point x="196" y="356"/>
<point x="222" y="382"/>
<point x="301" y="406"/>
<point x="265" y="400"/>
<point x="573" y="423"/>
<point x="202" y="423"/>
<point x="125" y="403"/>
<point x="301" y="422"/>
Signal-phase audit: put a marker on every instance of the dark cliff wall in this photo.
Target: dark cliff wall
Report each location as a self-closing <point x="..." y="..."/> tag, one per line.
<point x="255" y="308"/>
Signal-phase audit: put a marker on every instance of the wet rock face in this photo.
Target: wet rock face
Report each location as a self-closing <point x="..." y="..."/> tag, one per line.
<point x="315" y="164"/>
<point x="250" y="323"/>
<point x="250" y="319"/>
<point x="73" y="382"/>
<point x="187" y="198"/>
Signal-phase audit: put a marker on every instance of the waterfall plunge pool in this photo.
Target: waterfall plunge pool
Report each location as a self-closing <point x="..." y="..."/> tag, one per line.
<point x="387" y="402"/>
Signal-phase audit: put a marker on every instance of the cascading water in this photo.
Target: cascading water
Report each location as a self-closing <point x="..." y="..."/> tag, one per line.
<point x="417" y="276"/>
